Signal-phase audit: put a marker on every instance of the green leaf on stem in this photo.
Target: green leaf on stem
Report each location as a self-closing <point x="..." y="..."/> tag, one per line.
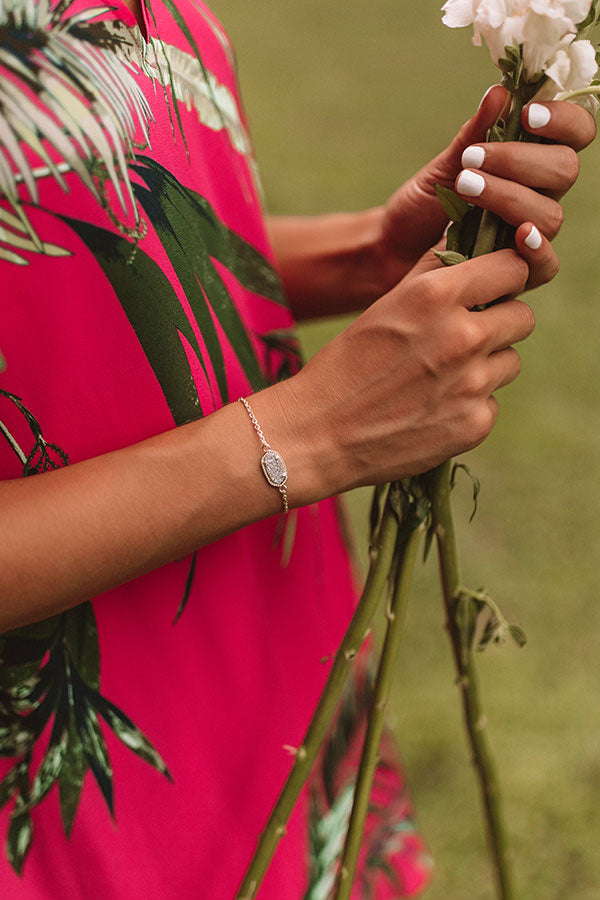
<point x="488" y="628"/>
<point x="375" y="512"/>
<point x="428" y="544"/>
<point x="495" y="134"/>
<point x="465" y="621"/>
<point x="512" y="66"/>
<point x="474" y="481"/>
<point x="454" y="206"/>
<point x="513" y="52"/>
<point x="469" y="229"/>
<point x="518" y="635"/>
<point x="453" y="237"/>
<point x="450" y="257"/>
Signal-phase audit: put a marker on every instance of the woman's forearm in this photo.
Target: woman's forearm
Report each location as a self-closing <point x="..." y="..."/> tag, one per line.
<point x="332" y="264"/>
<point x="70" y="534"/>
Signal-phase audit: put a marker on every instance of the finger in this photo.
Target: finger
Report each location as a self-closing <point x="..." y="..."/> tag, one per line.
<point x="537" y="251"/>
<point x="504" y="366"/>
<point x="485" y="422"/>
<point x="511" y="201"/>
<point x="481" y="280"/>
<point x="565" y="123"/>
<point x="549" y="167"/>
<point x="444" y="167"/>
<point x="506" y="324"/>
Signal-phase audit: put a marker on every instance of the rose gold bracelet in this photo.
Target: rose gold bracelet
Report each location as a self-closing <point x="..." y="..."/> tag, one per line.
<point x="273" y="466"/>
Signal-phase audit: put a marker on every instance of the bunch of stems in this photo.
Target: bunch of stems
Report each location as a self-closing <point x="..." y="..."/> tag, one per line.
<point x="395" y="550"/>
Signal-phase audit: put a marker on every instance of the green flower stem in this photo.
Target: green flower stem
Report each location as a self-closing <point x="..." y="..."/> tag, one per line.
<point x="490" y="222"/>
<point x="306" y="754"/>
<point x="379" y="702"/>
<point x="475" y="720"/>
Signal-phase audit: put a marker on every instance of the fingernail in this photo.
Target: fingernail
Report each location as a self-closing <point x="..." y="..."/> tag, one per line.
<point x="485" y="95"/>
<point x="537" y="115"/>
<point x="533" y="239"/>
<point x="470" y="184"/>
<point x="472" y="158"/>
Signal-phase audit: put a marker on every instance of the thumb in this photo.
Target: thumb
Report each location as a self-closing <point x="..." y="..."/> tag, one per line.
<point x="445" y="167"/>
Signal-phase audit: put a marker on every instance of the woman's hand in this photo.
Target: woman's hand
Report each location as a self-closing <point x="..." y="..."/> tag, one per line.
<point x="410" y="383"/>
<point x="342" y="262"/>
<point x="517" y="181"/>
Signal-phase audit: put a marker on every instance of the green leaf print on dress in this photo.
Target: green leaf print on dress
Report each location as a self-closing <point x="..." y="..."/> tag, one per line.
<point x="52" y="669"/>
<point x="192" y="236"/>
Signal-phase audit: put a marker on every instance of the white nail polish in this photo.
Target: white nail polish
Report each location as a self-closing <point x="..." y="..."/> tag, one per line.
<point x="537" y="115"/>
<point x="472" y="158"/>
<point x="485" y="95"/>
<point x="470" y="184"/>
<point x="533" y="239"/>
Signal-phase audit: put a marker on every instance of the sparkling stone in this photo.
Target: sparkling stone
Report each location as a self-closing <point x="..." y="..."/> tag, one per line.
<point x="274" y="468"/>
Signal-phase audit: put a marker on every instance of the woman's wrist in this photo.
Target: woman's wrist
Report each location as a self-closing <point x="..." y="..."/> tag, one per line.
<point x="332" y="264"/>
<point x="293" y="425"/>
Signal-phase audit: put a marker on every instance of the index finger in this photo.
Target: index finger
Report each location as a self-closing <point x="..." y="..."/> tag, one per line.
<point x="560" y="121"/>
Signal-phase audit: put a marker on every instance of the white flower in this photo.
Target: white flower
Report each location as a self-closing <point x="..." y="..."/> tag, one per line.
<point x="538" y="25"/>
<point x="572" y="68"/>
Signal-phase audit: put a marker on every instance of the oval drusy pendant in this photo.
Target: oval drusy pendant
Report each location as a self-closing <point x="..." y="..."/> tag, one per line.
<point x="274" y="468"/>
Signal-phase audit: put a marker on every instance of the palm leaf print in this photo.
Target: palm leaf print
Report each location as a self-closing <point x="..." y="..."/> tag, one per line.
<point x="61" y="82"/>
<point x="67" y="81"/>
<point x="184" y="73"/>
<point x="52" y="669"/>
<point x="193" y="236"/>
<point x="154" y="312"/>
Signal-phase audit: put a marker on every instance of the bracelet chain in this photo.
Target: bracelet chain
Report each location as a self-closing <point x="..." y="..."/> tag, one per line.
<point x="267" y="449"/>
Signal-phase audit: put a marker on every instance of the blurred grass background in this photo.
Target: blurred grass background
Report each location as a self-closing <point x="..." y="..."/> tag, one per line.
<point x="347" y="100"/>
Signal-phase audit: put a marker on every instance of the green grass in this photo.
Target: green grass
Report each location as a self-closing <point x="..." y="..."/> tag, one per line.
<point x="347" y="100"/>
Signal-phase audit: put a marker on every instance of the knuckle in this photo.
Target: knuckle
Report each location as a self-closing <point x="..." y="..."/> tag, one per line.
<point x="556" y="217"/>
<point x="480" y="421"/>
<point x="476" y="381"/>
<point x="553" y="268"/>
<point x="466" y="337"/>
<point x="431" y="292"/>
<point x="521" y="269"/>
<point x="516" y="363"/>
<point x="570" y="166"/>
<point x="527" y="317"/>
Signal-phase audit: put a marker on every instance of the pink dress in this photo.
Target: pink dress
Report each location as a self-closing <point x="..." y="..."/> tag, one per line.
<point x="139" y="293"/>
